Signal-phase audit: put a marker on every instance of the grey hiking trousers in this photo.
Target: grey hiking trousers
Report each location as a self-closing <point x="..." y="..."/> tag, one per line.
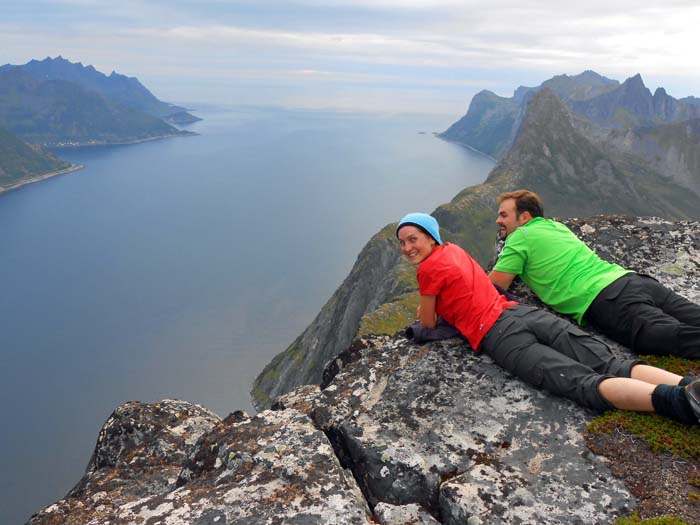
<point x="552" y="353"/>
<point x="642" y="314"/>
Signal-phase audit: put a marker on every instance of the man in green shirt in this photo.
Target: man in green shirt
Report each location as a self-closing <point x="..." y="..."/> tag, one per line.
<point x="565" y="274"/>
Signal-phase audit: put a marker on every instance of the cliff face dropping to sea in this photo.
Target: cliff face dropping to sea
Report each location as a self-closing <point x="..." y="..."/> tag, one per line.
<point x="401" y="434"/>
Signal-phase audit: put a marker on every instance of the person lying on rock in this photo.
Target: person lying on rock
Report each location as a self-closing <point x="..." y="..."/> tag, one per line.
<point x="535" y="345"/>
<point x="634" y="310"/>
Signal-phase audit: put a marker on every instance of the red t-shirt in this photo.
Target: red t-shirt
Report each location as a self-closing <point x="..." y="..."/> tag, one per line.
<point x="466" y="298"/>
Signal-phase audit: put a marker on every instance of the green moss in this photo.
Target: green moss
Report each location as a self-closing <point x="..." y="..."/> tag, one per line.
<point x="677" y="365"/>
<point x="660" y="433"/>
<point x="390" y="317"/>
<point x="260" y="397"/>
<point x="672" y="269"/>
<point x="406" y="277"/>
<point x="634" y="519"/>
<point x="271" y="373"/>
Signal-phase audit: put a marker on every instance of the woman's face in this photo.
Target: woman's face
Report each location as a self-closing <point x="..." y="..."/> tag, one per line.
<point x="416" y="245"/>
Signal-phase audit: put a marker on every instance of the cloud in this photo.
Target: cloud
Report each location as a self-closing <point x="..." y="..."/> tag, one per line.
<point x="434" y="44"/>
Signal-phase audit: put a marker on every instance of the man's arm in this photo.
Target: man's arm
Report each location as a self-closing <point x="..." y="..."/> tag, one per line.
<point x="502" y="279"/>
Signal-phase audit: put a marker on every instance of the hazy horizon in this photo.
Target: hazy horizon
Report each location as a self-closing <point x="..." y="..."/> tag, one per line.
<point x="426" y="56"/>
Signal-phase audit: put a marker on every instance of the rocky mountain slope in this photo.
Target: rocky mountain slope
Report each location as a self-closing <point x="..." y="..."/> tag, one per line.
<point x="574" y="176"/>
<point x="398" y="434"/>
<point x="671" y="149"/>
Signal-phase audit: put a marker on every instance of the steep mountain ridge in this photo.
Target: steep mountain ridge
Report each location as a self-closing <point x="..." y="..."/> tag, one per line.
<point x="583" y="86"/>
<point x="489" y="124"/>
<point x="575" y="177"/>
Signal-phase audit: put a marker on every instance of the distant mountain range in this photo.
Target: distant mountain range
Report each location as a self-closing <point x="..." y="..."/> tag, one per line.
<point x="598" y="105"/>
<point x="126" y="91"/>
<point x="553" y="152"/>
<point x="56" y="103"/>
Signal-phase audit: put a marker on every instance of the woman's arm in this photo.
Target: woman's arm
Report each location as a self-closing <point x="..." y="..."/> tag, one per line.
<point x="426" y="311"/>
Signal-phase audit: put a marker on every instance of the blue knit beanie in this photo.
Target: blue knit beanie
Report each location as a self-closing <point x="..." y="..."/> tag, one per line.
<point x="423" y="222"/>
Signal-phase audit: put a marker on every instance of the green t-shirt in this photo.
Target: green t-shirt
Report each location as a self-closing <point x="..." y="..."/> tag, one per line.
<point x="555" y="264"/>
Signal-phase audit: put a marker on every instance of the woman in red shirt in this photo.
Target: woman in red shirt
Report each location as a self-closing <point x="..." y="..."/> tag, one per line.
<point x="535" y="345"/>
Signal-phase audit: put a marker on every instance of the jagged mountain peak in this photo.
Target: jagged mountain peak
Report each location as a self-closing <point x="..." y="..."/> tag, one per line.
<point x="635" y="82"/>
<point x="545" y="116"/>
<point x="547" y="101"/>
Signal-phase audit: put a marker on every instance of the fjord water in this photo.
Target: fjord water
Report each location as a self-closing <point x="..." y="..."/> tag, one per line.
<point x="178" y="268"/>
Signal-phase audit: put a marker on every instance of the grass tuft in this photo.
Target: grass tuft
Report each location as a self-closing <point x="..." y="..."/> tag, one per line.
<point x="660" y="433"/>
<point x="634" y="519"/>
<point x="677" y="365"/>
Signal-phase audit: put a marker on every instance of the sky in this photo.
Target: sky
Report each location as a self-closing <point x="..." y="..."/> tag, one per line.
<point x="427" y="56"/>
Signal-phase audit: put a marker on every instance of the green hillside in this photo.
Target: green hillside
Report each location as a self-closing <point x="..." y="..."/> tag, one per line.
<point x="20" y="162"/>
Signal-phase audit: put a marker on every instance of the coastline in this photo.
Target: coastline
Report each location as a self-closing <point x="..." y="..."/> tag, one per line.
<point x="76" y="167"/>
<point x="121" y="143"/>
<point x="471" y="148"/>
<point x="38" y="178"/>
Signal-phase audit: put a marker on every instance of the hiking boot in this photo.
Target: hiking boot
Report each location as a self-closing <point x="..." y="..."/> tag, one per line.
<point x="692" y="394"/>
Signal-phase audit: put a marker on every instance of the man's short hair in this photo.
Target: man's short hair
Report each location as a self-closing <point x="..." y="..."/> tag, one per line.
<point x="525" y="200"/>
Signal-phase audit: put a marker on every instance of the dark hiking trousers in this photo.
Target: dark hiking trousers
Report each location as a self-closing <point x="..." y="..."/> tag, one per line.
<point x="647" y="317"/>
<point x="552" y="353"/>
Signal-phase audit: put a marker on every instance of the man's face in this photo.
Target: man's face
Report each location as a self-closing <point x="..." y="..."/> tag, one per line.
<point x="508" y="221"/>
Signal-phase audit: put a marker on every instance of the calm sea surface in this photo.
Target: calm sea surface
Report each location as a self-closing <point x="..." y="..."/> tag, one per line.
<point x="178" y="268"/>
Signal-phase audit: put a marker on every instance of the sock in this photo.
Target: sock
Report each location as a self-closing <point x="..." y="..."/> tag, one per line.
<point x="670" y="401"/>
<point x="686" y="380"/>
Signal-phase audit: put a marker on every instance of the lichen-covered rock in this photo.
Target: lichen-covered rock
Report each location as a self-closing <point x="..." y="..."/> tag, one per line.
<point x="669" y="251"/>
<point x="445" y="428"/>
<point x="173" y="462"/>
<point x="139" y="452"/>
<point x="275" y="467"/>
<point x="412" y="514"/>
